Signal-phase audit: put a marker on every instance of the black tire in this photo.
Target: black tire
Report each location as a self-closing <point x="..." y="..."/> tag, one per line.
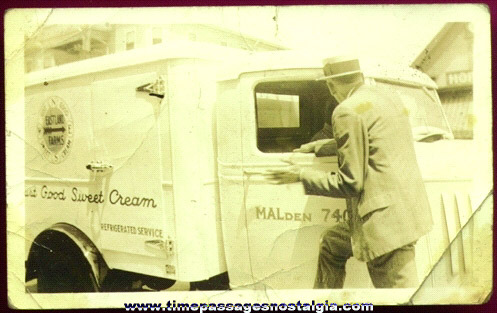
<point x="64" y="269"/>
<point x="122" y="281"/>
<point x="218" y="282"/>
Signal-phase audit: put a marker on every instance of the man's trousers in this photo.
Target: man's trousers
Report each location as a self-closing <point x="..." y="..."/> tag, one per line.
<point x="396" y="269"/>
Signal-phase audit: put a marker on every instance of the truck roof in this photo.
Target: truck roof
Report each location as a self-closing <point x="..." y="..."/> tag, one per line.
<point x="281" y="60"/>
<point x="173" y="50"/>
<point x="236" y="62"/>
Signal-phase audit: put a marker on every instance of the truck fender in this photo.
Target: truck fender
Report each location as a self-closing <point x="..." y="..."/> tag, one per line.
<point x="52" y="237"/>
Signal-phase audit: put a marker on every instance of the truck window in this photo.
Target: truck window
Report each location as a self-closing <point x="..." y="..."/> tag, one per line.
<point x="278" y="111"/>
<point x="289" y="113"/>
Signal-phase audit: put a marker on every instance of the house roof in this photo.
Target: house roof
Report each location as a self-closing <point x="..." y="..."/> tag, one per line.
<point x="425" y="58"/>
<point x="239" y="34"/>
<point x="57" y="35"/>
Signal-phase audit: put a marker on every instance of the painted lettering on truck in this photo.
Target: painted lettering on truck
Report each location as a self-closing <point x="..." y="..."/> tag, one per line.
<point x="115" y="197"/>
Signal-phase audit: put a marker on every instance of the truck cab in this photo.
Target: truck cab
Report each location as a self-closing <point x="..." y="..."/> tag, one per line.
<point x="273" y="104"/>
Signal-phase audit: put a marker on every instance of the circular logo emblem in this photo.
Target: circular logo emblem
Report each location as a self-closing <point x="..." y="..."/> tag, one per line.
<point x="55" y="130"/>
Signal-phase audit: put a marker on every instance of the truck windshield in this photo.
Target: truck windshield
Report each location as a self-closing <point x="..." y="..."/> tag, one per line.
<point x="425" y="112"/>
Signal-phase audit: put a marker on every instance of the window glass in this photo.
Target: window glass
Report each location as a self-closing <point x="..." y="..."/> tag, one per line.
<point x="156" y="35"/>
<point x="290" y="113"/>
<point x="192" y="37"/>
<point x="277" y="111"/>
<point x="424" y="111"/>
<point x="458" y="106"/>
<point x="130" y="40"/>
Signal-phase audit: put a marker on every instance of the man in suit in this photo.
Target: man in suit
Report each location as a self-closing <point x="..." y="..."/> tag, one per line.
<point x="377" y="174"/>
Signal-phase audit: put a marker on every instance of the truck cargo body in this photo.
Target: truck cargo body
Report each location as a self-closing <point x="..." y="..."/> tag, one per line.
<point x="135" y="173"/>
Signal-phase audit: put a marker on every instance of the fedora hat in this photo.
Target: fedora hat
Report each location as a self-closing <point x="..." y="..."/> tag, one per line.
<point x="340" y="66"/>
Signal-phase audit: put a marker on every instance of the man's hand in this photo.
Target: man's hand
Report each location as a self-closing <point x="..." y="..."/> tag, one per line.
<point x="306" y="147"/>
<point x="286" y="175"/>
<point x="313" y="147"/>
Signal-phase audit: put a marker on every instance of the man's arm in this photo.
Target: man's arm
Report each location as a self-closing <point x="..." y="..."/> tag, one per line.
<point x="352" y="145"/>
<point x="315" y="146"/>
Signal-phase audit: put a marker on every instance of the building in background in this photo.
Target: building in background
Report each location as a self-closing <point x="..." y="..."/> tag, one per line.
<point x="59" y="44"/>
<point x="448" y="60"/>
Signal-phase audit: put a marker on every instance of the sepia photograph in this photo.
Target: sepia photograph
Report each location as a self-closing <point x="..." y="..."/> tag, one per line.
<point x="250" y="158"/>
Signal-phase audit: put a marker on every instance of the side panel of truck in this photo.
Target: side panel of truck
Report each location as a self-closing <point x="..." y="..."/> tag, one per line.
<point x="191" y="95"/>
<point x="119" y="210"/>
<point x="448" y="175"/>
<point x="127" y="136"/>
<point x="156" y="211"/>
<point x="49" y="185"/>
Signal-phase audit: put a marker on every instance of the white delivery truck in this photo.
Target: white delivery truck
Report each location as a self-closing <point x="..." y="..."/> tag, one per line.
<point x="144" y="168"/>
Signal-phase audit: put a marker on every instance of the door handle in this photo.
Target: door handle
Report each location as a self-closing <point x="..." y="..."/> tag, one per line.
<point x="162" y="245"/>
<point x="99" y="166"/>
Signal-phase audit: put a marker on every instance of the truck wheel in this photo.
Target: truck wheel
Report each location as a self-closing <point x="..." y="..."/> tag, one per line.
<point x="120" y="281"/>
<point x="218" y="282"/>
<point x="64" y="269"/>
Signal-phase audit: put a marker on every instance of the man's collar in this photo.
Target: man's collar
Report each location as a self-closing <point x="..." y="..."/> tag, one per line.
<point x="353" y="90"/>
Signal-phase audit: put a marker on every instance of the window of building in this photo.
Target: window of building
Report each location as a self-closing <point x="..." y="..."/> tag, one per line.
<point x="130" y="40"/>
<point x="290" y="113"/>
<point x="458" y="106"/>
<point x="156" y="35"/>
<point x="192" y="36"/>
<point x="49" y="60"/>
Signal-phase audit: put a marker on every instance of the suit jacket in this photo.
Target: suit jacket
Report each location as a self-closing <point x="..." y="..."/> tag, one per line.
<point x="377" y="173"/>
<point x="325" y="133"/>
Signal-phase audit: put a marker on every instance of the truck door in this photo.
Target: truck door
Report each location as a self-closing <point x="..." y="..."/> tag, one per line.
<point x="131" y="223"/>
<point x="282" y="111"/>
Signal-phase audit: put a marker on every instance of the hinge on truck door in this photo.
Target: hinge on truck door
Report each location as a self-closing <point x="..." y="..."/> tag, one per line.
<point x="99" y="166"/>
<point x="157" y="88"/>
<point x="170" y="269"/>
<point x="169" y="244"/>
